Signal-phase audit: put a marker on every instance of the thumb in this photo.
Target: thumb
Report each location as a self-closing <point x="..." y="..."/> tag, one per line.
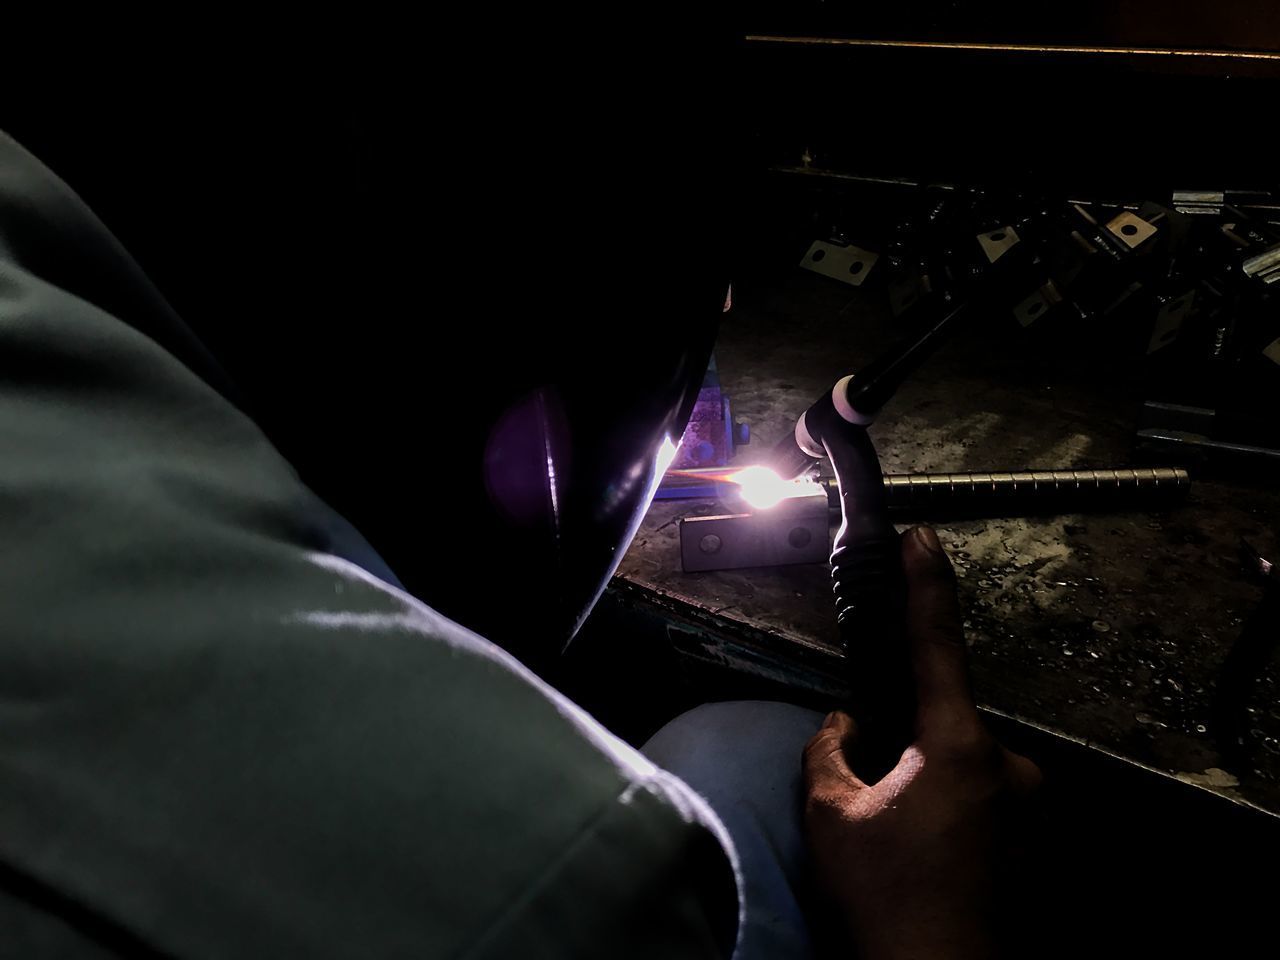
<point x="935" y="636"/>
<point x="825" y="764"/>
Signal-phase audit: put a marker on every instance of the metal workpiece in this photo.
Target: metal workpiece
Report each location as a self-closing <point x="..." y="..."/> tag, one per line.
<point x="999" y="493"/>
<point x="911" y="488"/>
<point x="1172" y="441"/>
<point x="1263" y="262"/>
<point x="996" y="243"/>
<point x="1037" y="304"/>
<point x="843" y="262"/>
<point x="1011" y="493"/>
<point x="1199" y="202"/>
<point x="1131" y="229"/>
<point x="795" y="531"/>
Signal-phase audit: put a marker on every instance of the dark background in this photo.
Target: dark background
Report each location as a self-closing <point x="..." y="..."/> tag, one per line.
<point x="964" y="92"/>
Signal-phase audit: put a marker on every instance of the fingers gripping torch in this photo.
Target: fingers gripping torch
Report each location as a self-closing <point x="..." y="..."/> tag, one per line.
<point x="866" y="562"/>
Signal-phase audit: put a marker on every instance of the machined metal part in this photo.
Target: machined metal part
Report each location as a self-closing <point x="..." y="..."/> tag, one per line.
<point x="1131" y="229"/>
<point x="1262" y="262"/>
<point x="1179" y="431"/>
<point x="1038" y="304"/>
<point x="1085" y="215"/>
<point x="1179" y="415"/>
<point x="1169" y="320"/>
<point x="1081" y="242"/>
<point x="1030" y="486"/>
<point x="1000" y="492"/>
<point x="1272" y="351"/>
<point x="997" y="243"/>
<point x="1256" y="235"/>
<point x="1168" y="438"/>
<point x="906" y="290"/>
<point x="1122" y="298"/>
<point x="1102" y="240"/>
<point x="848" y="264"/>
<point x="1229" y="231"/>
<point x="795" y="531"/>
<point x="1012" y="493"/>
<point x="1199" y="202"/>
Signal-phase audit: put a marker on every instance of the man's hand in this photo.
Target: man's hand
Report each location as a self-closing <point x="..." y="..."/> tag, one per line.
<point x="911" y="860"/>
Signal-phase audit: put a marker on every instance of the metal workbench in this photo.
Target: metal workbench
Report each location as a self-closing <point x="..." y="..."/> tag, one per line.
<point x="1108" y="629"/>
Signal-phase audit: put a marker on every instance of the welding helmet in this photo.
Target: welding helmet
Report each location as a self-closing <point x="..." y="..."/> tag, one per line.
<point x="547" y="339"/>
<point x="474" y="324"/>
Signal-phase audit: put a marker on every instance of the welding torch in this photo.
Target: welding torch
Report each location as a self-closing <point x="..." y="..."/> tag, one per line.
<point x="857" y="399"/>
<point x="866" y="561"/>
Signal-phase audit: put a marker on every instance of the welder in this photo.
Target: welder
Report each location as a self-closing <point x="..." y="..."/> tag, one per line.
<point x="273" y="588"/>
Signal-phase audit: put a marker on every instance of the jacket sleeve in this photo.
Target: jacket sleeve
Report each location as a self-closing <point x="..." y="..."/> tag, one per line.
<point x="224" y="731"/>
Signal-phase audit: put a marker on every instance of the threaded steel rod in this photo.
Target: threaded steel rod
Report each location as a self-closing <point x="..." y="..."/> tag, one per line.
<point x="1030" y="490"/>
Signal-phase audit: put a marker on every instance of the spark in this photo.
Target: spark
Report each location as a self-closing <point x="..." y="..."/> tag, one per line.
<point x="762" y="488"/>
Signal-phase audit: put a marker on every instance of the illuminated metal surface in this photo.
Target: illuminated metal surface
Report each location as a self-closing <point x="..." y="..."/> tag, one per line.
<point x="996" y="243"/>
<point x="795" y="531"/>
<point x="919" y="490"/>
<point x="762" y="488"/>
<point x="1131" y="229"/>
<point x="846" y="263"/>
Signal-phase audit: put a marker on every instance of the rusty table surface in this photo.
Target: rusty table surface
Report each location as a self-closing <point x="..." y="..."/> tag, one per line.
<point x="1107" y="628"/>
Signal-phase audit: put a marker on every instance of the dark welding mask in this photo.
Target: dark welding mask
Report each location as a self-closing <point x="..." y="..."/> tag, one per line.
<point x="474" y="316"/>
<point x="499" y="442"/>
<point x="517" y="367"/>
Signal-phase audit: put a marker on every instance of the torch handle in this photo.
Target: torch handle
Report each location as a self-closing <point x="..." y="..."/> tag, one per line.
<point x="870" y="594"/>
